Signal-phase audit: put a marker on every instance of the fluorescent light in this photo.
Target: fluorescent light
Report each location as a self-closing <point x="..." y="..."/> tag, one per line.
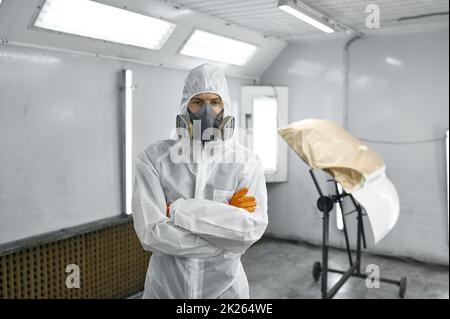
<point x="295" y="12"/>
<point x="265" y="134"/>
<point x="128" y="74"/>
<point x="99" y="21"/>
<point x="393" y="61"/>
<point x="209" y="46"/>
<point x="446" y="145"/>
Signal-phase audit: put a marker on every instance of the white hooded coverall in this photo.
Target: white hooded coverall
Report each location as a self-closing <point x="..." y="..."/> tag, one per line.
<point x="197" y="251"/>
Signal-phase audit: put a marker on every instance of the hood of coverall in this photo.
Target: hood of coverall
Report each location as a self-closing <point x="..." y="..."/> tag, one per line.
<point x="206" y="78"/>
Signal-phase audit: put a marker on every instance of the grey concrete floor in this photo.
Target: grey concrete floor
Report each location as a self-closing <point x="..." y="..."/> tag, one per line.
<point x="283" y="269"/>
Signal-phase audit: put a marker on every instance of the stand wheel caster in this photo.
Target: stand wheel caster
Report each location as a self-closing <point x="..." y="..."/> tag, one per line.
<point x="402" y="291"/>
<point x="317" y="270"/>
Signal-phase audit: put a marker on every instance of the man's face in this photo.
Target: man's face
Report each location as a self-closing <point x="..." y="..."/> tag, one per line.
<point x="211" y="99"/>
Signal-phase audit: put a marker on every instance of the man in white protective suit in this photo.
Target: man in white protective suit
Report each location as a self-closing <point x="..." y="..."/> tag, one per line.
<point x="198" y="205"/>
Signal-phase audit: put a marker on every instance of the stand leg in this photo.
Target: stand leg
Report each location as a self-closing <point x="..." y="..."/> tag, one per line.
<point x="325" y="243"/>
<point x="362" y="230"/>
<point x="347" y="242"/>
<point x="358" y="244"/>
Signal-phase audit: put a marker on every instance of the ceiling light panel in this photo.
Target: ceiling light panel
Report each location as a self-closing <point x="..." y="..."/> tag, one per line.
<point x="209" y="46"/>
<point x="99" y="21"/>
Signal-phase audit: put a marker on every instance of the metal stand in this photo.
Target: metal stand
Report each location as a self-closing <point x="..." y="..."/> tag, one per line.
<point x="326" y="204"/>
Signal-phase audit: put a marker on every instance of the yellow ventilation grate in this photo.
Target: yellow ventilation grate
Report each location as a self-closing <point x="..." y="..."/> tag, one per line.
<point x="111" y="261"/>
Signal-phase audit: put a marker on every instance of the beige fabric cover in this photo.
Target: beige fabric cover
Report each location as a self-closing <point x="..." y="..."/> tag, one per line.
<point x="325" y="145"/>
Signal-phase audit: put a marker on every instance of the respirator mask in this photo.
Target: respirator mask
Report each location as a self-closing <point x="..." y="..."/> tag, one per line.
<point x="205" y="125"/>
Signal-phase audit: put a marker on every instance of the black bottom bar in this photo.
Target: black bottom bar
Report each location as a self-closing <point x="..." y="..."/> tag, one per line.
<point x="364" y="276"/>
<point x="347" y="274"/>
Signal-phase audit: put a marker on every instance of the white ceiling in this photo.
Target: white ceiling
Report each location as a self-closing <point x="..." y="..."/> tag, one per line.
<point x="17" y="16"/>
<point x="264" y="15"/>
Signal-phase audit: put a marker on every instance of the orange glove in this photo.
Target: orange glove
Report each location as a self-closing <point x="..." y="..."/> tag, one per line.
<point x="168" y="210"/>
<point x="241" y="201"/>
